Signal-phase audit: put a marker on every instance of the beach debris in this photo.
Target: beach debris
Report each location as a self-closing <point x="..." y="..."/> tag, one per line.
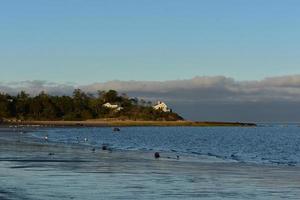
<point x="116" y="129"/>
<point x="156" y="155"/>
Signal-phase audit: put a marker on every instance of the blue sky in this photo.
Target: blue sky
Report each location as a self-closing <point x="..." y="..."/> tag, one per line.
<point x="85" y="41"/>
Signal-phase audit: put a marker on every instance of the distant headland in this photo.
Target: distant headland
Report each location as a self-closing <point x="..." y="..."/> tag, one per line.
<point x="107" y="108"/>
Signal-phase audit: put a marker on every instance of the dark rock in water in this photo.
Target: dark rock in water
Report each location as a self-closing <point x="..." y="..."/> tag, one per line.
<point x="156" y="155"/>
<point x="116" y="129"/>
<point x="210" y="154"/>
<point x="104" y="148"/>
<point x="234" y="157"/>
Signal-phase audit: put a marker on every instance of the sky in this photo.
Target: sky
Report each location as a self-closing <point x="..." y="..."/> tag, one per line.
<point x="233" y="60"/>
<point x="86" y="41"/>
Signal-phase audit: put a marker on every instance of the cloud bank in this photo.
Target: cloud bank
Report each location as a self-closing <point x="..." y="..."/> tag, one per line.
<point x="218" y="88"/>
<point x="202" y="97"/>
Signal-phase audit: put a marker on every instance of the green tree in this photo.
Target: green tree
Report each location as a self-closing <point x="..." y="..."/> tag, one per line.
<point x="111" y="96"/>
<point x="22" y="104"/>
<point x="4" y="106"/>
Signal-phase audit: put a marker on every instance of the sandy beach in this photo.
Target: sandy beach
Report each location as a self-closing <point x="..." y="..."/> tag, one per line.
<point x="125" y="123"/>
<point x="34" y="169"/>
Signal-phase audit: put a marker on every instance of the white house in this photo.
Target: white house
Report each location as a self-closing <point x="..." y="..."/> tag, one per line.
<point x="161" y="106"/>
<point x="112" y="106"/>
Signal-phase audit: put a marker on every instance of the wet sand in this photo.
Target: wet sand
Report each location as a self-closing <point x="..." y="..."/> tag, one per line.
<point x="33" y="169"/>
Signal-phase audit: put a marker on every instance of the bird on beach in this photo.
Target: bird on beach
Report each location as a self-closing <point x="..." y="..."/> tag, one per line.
<point x="46" y="138"/>
<point x="85" y="139"/>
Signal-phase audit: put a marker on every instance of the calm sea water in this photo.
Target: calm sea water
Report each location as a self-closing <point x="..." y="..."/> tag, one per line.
<point x="252" y="163"/>
<point x="268" y="144"/>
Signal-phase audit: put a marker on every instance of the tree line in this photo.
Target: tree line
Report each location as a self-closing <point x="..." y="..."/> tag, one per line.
<point x="79" y="106"/>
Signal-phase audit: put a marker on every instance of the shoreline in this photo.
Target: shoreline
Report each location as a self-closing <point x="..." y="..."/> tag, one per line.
<point x="127" y="123"/>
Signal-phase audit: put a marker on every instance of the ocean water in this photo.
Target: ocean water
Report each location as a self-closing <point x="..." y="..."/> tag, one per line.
<point x="222" y="163"/>
<point x="265" y="144"/>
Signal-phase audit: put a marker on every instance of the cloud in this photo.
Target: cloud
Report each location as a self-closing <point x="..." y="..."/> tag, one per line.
<point x="202" y="97"/>
<point x="35" y="87"/>
<point x="216" y="89"/>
